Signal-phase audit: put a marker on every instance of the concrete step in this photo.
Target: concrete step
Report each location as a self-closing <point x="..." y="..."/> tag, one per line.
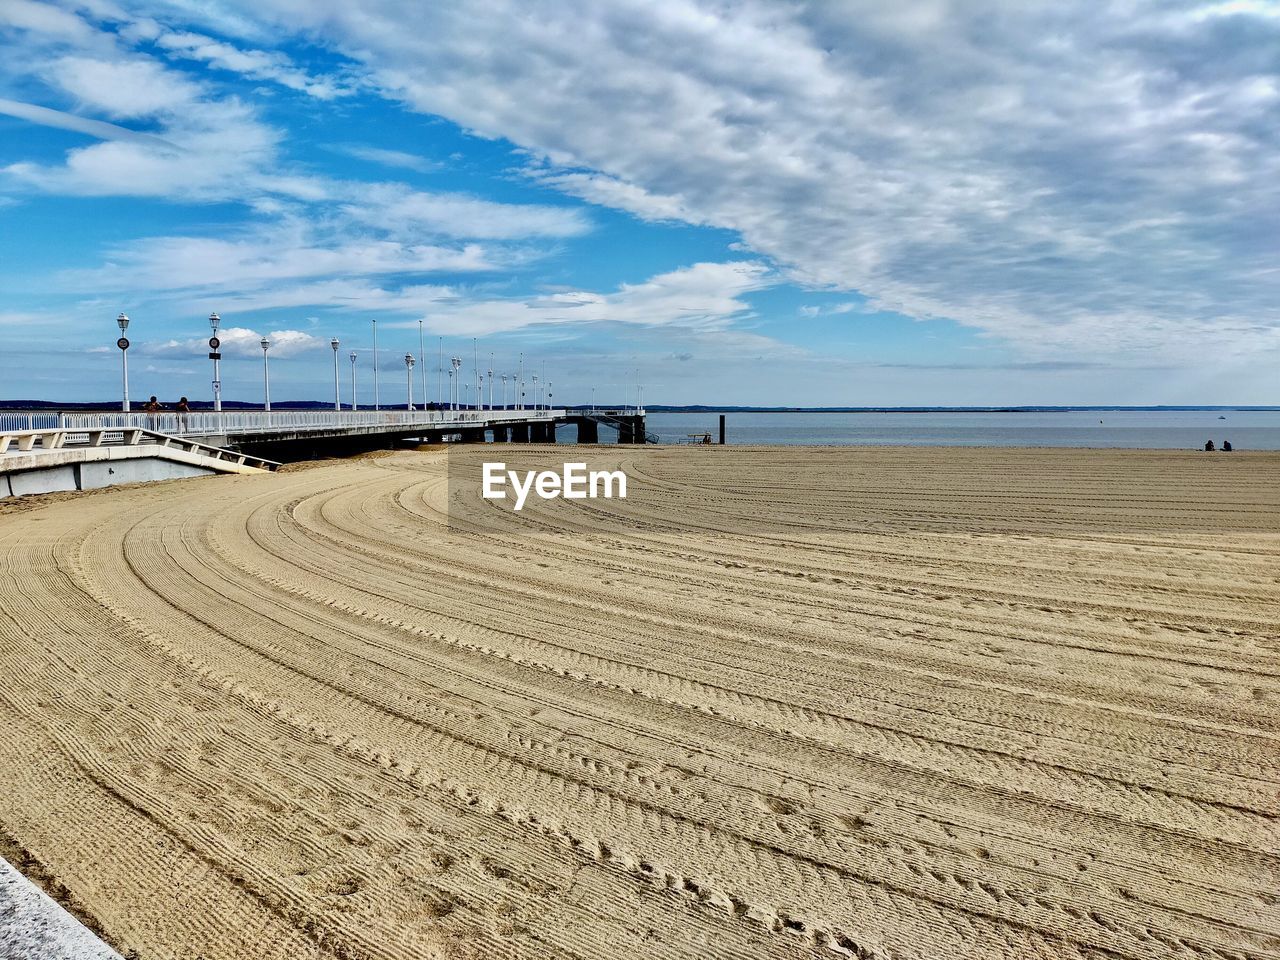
<point x="34" y="927"/>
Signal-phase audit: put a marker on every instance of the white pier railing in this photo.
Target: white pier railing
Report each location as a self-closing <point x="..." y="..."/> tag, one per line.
<point x="19" y="441"/>
<point x="240" y="422"/>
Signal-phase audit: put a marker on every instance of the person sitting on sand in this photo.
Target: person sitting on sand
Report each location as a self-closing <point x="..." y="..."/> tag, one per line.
<point x="1208" y="445"/>
<point x="1226" y="446"/>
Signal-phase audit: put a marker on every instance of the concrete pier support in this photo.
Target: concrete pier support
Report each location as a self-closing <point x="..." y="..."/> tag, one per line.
<point x="520" y="433"/>
<point x="501" y="434"/>
<point x="631" y="430"/>
<point x="588" y="431"/>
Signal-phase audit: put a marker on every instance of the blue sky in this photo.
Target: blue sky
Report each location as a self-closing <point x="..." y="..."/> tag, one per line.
<point x="924" y="202"/>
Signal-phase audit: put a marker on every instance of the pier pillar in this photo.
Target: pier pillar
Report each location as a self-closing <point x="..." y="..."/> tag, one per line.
<point x="588" y="431"/>
<point x="631" y="429"/>
<point x="722" y="429"/>
<point x="520" y="433"/>
<point x="500" y="433"/>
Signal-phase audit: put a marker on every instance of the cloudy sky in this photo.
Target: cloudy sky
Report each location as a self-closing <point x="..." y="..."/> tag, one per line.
<point x="970" y="202"/>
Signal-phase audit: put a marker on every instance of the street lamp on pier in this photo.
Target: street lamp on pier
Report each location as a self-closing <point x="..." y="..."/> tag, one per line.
<point x="353" y="380"/>
<point x="337" y="396"/>
<point x="266" y="377"/>
<point x="422" y="359"/>
<point x="216" y="356"/>
<point x="123" y="343"/>
<point x="408" y="378"/>
<point x="375" y="365"/>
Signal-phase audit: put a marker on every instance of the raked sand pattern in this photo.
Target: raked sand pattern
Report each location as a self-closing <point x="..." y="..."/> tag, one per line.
<point x="906" y="703"/>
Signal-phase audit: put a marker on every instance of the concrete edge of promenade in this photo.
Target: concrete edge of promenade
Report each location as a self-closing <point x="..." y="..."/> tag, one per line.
<point x="34" y="927"/>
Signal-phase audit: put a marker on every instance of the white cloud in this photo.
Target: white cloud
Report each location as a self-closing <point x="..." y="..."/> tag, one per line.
<point x="44" y="19"/>
<point x="258" y="64"/>
<point x="265" y="258"/>
<point x="405" y="212"/>
<point x="984" y="161"/>
<point x="387" y="158"/>
<point x="211" y="153"/>
<point x="241" y="342"/>
<point x="124" y="89"/>
<point x="177" y="137"/>
<point x="69" y="121"/>
<point x="704" y="296"/>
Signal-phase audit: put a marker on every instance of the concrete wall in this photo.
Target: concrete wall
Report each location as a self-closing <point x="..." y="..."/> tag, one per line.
<point x="48" y="480"/>
<point x="95" y="473"/>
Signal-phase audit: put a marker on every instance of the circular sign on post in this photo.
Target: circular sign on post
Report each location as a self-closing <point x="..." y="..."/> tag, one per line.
<point x="123" y="343"/>
<point x="214" y="343"/>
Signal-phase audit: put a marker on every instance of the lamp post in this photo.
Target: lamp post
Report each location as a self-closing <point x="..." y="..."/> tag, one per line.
<point x="456" y="364"/>
<point x="216" y="357"/>
<point x="337" y="396"/>
<point x="520" y="381"/>
<point x="504" y="391"/>
<point x="353" y="380"/>
<point x="408" y="378"/>
<point x="422" y="359"/>
<point x="549" y="395"/>
<point x="449" y="403"/>
<point x="266" y="377"/>
<point x="440" y="372"/>
<point x="123" y="344"/>
<point x="480" y="392"/>
<point x="375" y="365"/>
<point x="490" y="381"/>
<point x="536" y="400"/>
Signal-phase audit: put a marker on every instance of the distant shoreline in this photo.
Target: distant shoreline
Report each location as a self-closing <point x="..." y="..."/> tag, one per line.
<point x="687" y="408"/>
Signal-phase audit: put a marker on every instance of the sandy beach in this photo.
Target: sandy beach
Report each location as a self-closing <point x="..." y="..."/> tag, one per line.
<point x="877" y="703"/>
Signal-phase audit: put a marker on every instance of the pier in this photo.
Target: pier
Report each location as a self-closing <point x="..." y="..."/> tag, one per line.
<point x="308" y="434"/>
<point x="37" y="460"/>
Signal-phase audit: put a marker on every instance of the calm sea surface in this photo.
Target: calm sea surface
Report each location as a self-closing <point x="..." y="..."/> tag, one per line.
<point x="1247" y="430"/>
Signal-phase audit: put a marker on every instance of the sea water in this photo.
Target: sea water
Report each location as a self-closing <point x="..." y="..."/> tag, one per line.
<point x="1151" y="429"/>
